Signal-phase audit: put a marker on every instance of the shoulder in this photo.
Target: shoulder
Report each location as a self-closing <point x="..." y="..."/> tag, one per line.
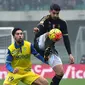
<point x="45" y="18"/>
<point x="11" y="46"/>
<point x="27" y="42"/>
<point x="62" y="20"/>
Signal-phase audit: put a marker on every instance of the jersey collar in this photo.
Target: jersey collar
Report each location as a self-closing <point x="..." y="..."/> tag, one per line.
<point x="18" y="46"/>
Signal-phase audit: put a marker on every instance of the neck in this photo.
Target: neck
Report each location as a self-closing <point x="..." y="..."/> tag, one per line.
<point x="18" y="43"/>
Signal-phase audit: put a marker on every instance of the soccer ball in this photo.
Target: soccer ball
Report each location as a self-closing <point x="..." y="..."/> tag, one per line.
<point x="55" y="34"/>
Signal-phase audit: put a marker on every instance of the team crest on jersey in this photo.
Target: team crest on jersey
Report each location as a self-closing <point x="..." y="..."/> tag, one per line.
<point x="24" y="48"/>
<point x="10" y="79"/>
<point x="56" y="26"/>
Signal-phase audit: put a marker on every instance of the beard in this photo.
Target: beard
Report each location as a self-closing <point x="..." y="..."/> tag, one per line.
<point x="19" y="41"/>
<point x="55" y="18"/>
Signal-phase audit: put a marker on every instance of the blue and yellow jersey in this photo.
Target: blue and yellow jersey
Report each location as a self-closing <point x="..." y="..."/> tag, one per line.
<point x="19" y="56"/>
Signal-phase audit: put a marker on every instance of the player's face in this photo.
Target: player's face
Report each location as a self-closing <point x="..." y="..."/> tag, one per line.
<point x="19" y="36"/>
<point x="54" y="14"/>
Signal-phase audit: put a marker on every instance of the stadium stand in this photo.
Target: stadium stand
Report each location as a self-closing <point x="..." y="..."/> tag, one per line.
<point x="26" y="5"/>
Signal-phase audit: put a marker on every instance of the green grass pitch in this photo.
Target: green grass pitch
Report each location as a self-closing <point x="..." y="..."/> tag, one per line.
<point x="63" y="82"/>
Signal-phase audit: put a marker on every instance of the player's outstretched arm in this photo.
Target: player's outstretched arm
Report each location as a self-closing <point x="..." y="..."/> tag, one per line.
<point x="68" y="48"/>
<point x="36" y="54"/>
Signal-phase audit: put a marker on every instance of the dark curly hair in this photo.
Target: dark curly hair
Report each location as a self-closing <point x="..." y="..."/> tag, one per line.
<point x="55" y="7"/>
<point x="15" y="29"/>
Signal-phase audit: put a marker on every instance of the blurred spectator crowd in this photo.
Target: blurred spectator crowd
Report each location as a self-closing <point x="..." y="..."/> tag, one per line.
<point x="17" y="5"/>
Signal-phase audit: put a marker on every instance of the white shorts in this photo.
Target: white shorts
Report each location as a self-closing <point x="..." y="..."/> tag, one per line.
<point x="54" y="60"/>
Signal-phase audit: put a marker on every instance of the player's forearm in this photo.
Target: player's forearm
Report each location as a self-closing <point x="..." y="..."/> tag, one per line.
<point x="67" y="44"/>
<point x="40" y="57"/>
<point x="40" y="32"/>
<point x="9" y="59"/>
<point x="9" y="67"/>
<point x="36" y="54"/>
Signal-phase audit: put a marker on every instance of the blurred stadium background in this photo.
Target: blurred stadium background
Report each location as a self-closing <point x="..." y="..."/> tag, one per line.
<point x="27" y="13"/>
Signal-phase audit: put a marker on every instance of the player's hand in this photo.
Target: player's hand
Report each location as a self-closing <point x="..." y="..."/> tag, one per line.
<point x="35" y="30"/>
<point x="46" y="53"/>
<point x="46" y="58"/>
<point x="71" y="59"/>
<point x="16" y="70"/>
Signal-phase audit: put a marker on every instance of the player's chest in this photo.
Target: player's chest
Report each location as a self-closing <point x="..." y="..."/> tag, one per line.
<point x="54" y="24"/>
<point x="20" y="51"/>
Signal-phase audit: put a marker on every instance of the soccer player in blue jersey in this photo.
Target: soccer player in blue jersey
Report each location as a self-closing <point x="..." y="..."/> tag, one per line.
<point x="18" y="62"/>
<point x="46" y="47"/>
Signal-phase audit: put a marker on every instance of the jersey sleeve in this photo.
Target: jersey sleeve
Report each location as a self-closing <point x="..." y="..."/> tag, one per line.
<point x="64" y="28"/>
<point x="66" y="38"/>
<point x="42" y="26"/>
<point x="9" y="59"/>
<point x="36" y="54"/>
